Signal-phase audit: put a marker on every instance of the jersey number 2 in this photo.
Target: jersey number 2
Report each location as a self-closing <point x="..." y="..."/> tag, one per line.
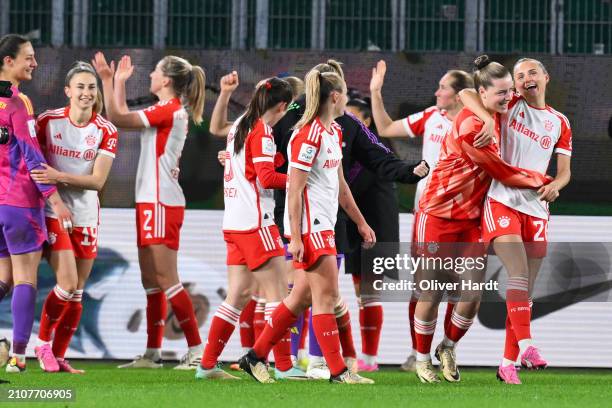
<point x="540" y="234"/>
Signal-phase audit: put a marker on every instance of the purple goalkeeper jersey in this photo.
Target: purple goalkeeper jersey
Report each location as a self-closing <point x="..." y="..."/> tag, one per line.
<point x="20" y="155"/>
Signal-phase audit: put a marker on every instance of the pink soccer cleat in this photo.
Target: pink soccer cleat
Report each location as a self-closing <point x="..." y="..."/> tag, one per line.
<point x="532" y="359"/>
<point x="508" y="374"/>
<point x="46" y="359"/>
<point x="368" y="368"/>
<point x="64" y="366"/>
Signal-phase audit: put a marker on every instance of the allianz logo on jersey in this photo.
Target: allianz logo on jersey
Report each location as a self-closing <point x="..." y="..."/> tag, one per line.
<point x="87" y="155"/>
<point x="544" y="141"/>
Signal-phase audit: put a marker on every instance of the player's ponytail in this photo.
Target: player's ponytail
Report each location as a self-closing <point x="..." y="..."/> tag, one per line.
<point x="188" y="81"/>
<point x="486" y="71"/>
<point x="269" y="93"/>
<point x="319" y="87"/>
<point x="331" y="65"/>
<point x="83" y="67"/>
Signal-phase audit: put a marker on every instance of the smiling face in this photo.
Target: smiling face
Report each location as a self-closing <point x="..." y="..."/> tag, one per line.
<point x="530" y="80"/>
<point x="82" y="90"/>
<point x="20" y="68"/>
<point x="496" y="97"/>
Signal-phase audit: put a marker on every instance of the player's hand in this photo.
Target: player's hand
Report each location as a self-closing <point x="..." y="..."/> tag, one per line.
<point x="125" y="69"/>
<point x="378" y="76"/>
<point x="64" y="217"/>
<point x="368" y="235"/>
<point x="221" y="157"/>
<point x="47" y="175"/>
<point x="104" y="70"/>
<point x="296" y="249"/>
<point x="229" y="82"/>
<point x="422" y="169"/>
<point x="549" y="192"/>
<point x="486" y="135"/>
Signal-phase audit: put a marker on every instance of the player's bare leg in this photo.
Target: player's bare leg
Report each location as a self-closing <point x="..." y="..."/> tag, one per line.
<point x="6" y="282"/>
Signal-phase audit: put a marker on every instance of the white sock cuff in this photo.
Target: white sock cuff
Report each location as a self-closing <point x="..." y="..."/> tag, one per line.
<point x="460" y="321"/>
<point x="423" y="327"/>
<point x="341" y="309"/>
<point x="152" y="291"/>
<point x="61" y="293"/>
<point x="174" y="290"/>
<point x="228" y="313"/>
<point x="518" y="283"/>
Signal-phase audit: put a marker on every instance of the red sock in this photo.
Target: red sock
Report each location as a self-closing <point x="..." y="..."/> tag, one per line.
<point x="371" y="326"/>
<point x="517" y="304"/>
<point x="457" y="326"/>
<point x="67" y="325"/>
<point x="259" y="321"/>
<point x="221" y="329"/>
<point x="157" y="310"/>
<point x="411" y="309"/>
<point x="247" y="334"/>
<point x="424" y="332"/>
<point x="326" y="330"/>
<point x="52" y="310"/>
<point x="304" y="331"/>
<point x="183" y="310"/>
<point x="511" y="347"/>
<point x="280" y="322"/>
<point x="282" y="349"/>
<point x="343" y="322"/>
<point x="450" y="306"/>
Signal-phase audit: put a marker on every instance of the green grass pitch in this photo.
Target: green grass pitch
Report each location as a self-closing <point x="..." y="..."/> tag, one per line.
<point x="105" y="386"/>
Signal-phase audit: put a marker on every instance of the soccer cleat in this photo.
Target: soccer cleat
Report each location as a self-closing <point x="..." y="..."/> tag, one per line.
<point x="409" y="364"/>
<point x="368" y="368"/>
<point x="349" y="377"/>
<point x="291" y="374"/>
<point x="190" y="361"/>
<point x="46" y="359"/>
<point x="448" y="363"/>
<point x="235" y="367"/>
<point x="142" y="362"/>
<point x="425" y="372"/>
<point x="5" y="349"/>
<point x="317" y="369"/>
<point x="532" y="359"/>
<point x="508" y="374"/>
<point x="255" y="367"/>
<point x="15" y="366"/>
<point x="215" y="373"/>
<point x="65" y="367"/>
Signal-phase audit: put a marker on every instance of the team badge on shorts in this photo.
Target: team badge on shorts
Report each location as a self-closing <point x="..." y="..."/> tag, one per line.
<point x="433" y="247"/>
<point x="331" y="241"/>
<point x="52" y="238"/>
<point x="503" y="221"/>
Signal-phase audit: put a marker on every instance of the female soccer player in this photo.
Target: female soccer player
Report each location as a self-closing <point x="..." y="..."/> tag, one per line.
<point x="160" y="203"/>
<point x="516" y="220"/>
<point x="80" y="147"/>
<point x="432" y="124"/>
<point x="451" y="205"/>
<point x="22" y="222"/>
<point x="316" y="186"/>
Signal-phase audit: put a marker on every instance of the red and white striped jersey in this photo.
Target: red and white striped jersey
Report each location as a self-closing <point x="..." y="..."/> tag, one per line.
<point x="432" y="124"/>
<point x="319" y="152"/>
<point x="459" y="182"/>
<point x="529" y="138"/>
<point x="161" y="145"/>
<point x="248" y="206"/>
<point x="73" y="149"/>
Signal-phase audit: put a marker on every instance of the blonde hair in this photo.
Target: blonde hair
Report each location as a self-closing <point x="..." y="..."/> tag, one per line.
<point x="188" y="81"/>
<point x="319" y="87"/>
<point x="331" y="65"/>
<point x="297" y="85"/>
<point x="538" y="62"/>
<point x="80" y="67"/>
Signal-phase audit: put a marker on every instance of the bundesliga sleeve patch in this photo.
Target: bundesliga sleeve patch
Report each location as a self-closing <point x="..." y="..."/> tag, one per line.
<point x="307" y="153"/>
<point x="32" y="127"/>
<point x="415" y="117"/>
<point x="267" y="146"/>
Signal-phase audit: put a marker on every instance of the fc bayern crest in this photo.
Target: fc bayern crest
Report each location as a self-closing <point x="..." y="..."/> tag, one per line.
<point x="331" y="241"/>
<point x="52" y="238"/>
<point x="503" y="221"/>
<point x="90" y="140"/>
<point x="548" y="125"/>
<point x="433" y="247"/>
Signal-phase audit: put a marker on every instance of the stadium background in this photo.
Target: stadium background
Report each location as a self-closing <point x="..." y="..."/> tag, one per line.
<point x="420" y="39"/>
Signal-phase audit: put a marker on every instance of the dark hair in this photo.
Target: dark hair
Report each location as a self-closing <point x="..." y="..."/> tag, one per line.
<point x="10" y="45"/>
<point x="363" y="106"/>
<point x="525" y="59"/>
<point x="486" y="71"/>
<point x="460" y="80"/>
<point x="268" y="94"/>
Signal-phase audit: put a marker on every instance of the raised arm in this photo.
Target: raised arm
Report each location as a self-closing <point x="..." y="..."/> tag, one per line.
<point x="386" y="126"/>
<point x="125" y="69"/>
<point x="219" y="125"/>
<point x="126" y="120"/>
